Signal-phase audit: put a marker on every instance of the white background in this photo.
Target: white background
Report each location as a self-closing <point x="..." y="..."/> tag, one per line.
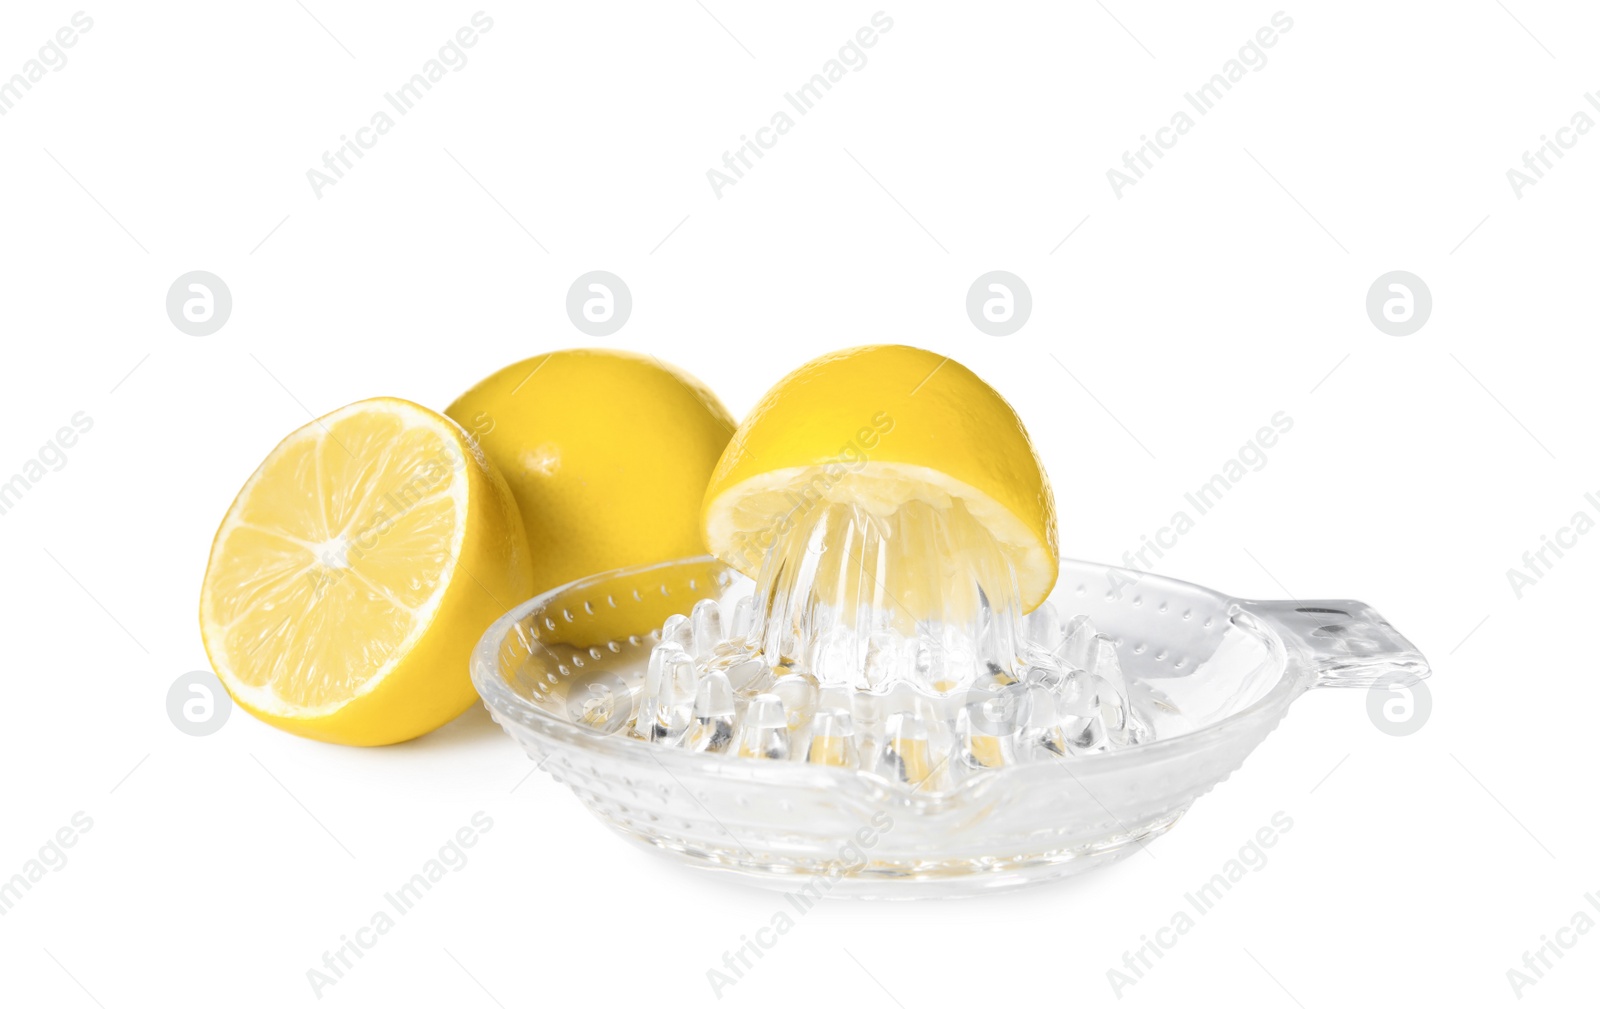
<point x="1206" y="299"/>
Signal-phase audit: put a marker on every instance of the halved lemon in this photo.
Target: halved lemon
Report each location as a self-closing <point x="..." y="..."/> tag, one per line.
<point x="882" y="428"/>
<point x="355" y="571"/>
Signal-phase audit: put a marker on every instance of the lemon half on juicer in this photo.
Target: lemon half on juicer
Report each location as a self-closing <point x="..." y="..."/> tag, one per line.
<point x="878" y="429"/>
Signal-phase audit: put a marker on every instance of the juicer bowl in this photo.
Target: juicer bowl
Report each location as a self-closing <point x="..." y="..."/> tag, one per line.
<point x="1211" y="675"/>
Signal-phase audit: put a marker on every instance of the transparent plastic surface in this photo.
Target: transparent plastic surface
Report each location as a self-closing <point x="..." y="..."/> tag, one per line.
<point x="717" y="774"/>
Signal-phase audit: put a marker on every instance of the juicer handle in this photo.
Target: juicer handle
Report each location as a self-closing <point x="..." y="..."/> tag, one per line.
<point x="1341" y="642"/>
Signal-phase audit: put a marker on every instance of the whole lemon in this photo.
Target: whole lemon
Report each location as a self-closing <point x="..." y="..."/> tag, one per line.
<point x="606" y="452"/>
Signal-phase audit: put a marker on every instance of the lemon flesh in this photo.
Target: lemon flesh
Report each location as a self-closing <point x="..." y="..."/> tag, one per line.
<point x="885" y="428"/>
<point x="606" y="452"/>
<point x="355" y="571"/>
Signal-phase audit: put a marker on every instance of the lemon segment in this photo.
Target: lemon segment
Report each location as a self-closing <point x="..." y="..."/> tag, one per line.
<point x="882" y="428"/>
<point x="355" y="571"/>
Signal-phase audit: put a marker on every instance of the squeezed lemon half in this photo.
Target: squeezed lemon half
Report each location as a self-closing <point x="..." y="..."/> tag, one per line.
<point x="881" y="428"/>
<point x="356" y="570"/>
